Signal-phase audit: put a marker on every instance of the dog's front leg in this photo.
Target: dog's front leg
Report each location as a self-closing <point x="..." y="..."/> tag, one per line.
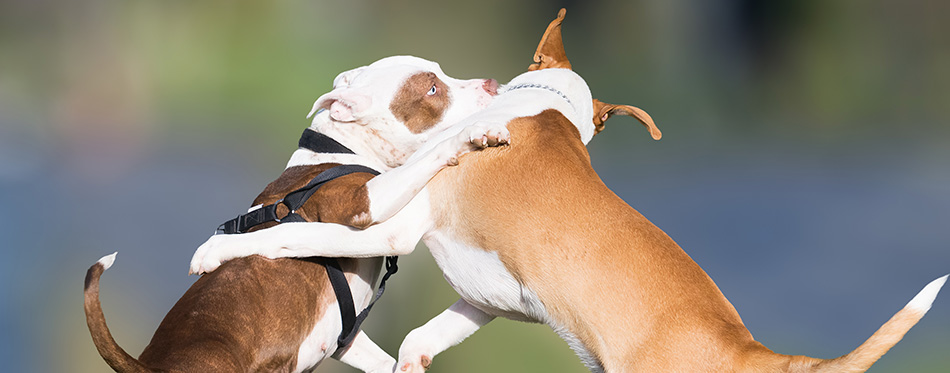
<point x="396" y="236"/>
<point x="391" y="191"/>
<point x="447" y="329"/>
<point x="365" y="355"/>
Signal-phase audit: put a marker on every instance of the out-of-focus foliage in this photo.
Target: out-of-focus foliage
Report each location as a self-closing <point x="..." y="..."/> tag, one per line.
<point x="804" y="162"/>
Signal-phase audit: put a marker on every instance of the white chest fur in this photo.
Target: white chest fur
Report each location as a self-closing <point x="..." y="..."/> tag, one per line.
<point x="482" y="279"/>
<point x="321" y="342"/>
<point x="484" y="282"/>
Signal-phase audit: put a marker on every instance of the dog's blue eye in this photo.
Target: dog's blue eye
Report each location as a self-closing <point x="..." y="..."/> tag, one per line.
<point x="431" y="91"/>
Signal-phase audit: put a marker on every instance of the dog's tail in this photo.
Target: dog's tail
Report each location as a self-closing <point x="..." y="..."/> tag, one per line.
<point x="883" y="339"/>
<point x="114" y="355"/>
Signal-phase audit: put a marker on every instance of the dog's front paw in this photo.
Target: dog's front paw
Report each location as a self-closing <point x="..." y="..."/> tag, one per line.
<point x="476" y="136"/>
<point x="209" y="255"/>
<point x="416" y="351"/>
<point x="487" y="134"/>
<point x="417" y="364"/>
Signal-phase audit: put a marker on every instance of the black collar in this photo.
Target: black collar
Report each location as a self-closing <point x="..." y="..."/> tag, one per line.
<point x="320" y="143"/>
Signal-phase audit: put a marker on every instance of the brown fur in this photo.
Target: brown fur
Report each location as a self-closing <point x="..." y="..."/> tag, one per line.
<point x="635" y="300"/>
<point x="343" y="200"/>
<point x="548" y="155"/>
<point x="550" y="52"/>
<point x="603" y="111"/>
<point x="110" y="351"/>
<point x="252" y="314"/>
<point x="270" y="303"/>
<point x="414" y="107"/>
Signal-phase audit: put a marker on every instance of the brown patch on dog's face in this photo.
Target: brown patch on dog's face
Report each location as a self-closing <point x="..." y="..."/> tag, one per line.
<point x="421" y="102"/>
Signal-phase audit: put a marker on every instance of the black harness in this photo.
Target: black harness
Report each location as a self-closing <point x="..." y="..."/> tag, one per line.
<point x="319" y="143"/>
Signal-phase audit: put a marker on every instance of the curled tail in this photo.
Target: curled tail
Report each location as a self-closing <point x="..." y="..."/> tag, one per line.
<point x="884" y="338"/>
<point x="110" y="351"/>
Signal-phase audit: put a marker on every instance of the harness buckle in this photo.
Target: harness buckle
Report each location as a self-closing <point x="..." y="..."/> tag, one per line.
<point x="290" y="210"/>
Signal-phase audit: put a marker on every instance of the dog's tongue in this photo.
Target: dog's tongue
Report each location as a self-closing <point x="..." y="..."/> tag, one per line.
<point x="550" y="52"/>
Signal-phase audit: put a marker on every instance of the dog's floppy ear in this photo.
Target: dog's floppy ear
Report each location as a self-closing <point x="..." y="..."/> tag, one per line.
<point x="345" y="104"/>
<point x="603" y="111"/>
<point x="344" y="79"/>
<point x="550" y="52"/>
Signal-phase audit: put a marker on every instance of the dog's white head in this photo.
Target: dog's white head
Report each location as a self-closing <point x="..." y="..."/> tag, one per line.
<point x="393" y="105"/>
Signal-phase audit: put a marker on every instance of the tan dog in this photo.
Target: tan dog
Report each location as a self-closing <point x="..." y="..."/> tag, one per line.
<point x="631" y="301"/>
<point x="256" y="314"/>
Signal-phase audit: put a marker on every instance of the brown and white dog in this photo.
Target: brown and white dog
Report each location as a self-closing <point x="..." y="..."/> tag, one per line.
<point x="634" y="300"/>
<point x="256" y="314"/>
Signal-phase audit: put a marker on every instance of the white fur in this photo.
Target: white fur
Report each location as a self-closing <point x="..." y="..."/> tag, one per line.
<point x="373" y="140"/>
<point x="304" y="157"/>
<point x="398" y="193"/>
<point x="396" y="236"/>
<point x="925" y="298"/>
<point x="447" y="329"/>
<point x="487" y="285"/>
<point x="478" y="276"/>
<point x="579" y="110"/>
<point x="391" y="191"/>
<point x="490" y="287"/>
<point x="510" y="104"/>
<point x="367" y="92"/>
<point x="578" y="347"/>
<point x="321" y="341"/>
<point x="360" y="119"/>
<point x="365" y="355"/>
<point x="107" y="261"/>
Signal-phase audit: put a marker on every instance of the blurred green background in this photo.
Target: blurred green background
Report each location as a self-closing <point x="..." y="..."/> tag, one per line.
<point x="805" y="162"/>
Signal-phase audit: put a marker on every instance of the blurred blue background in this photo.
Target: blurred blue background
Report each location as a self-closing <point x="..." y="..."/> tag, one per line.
<point x="805" y="163"/>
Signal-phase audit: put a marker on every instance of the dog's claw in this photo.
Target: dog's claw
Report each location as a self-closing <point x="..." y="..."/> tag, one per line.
<point x="418" y="366"/>
<point x="426" y="361"/>
<point x="474" y="137"/>
<point x="488" y="134"/>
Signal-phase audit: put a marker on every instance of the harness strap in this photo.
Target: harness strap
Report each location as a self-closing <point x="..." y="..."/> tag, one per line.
<point x="352" y="321"/>
<point x="319" y="143"/>
<point x="293" y="201"/>
<point x="296" y="199"/>
<point x="344" y="299"/>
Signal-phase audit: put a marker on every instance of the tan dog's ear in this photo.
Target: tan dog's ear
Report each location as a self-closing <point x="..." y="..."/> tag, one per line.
<point x="550" y="52"/>
<point x="603" y="111"/>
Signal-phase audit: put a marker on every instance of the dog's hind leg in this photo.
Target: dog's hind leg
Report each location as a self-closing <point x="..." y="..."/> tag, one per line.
<point x="365" y="355"/>
<point x="448" y="329"/>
